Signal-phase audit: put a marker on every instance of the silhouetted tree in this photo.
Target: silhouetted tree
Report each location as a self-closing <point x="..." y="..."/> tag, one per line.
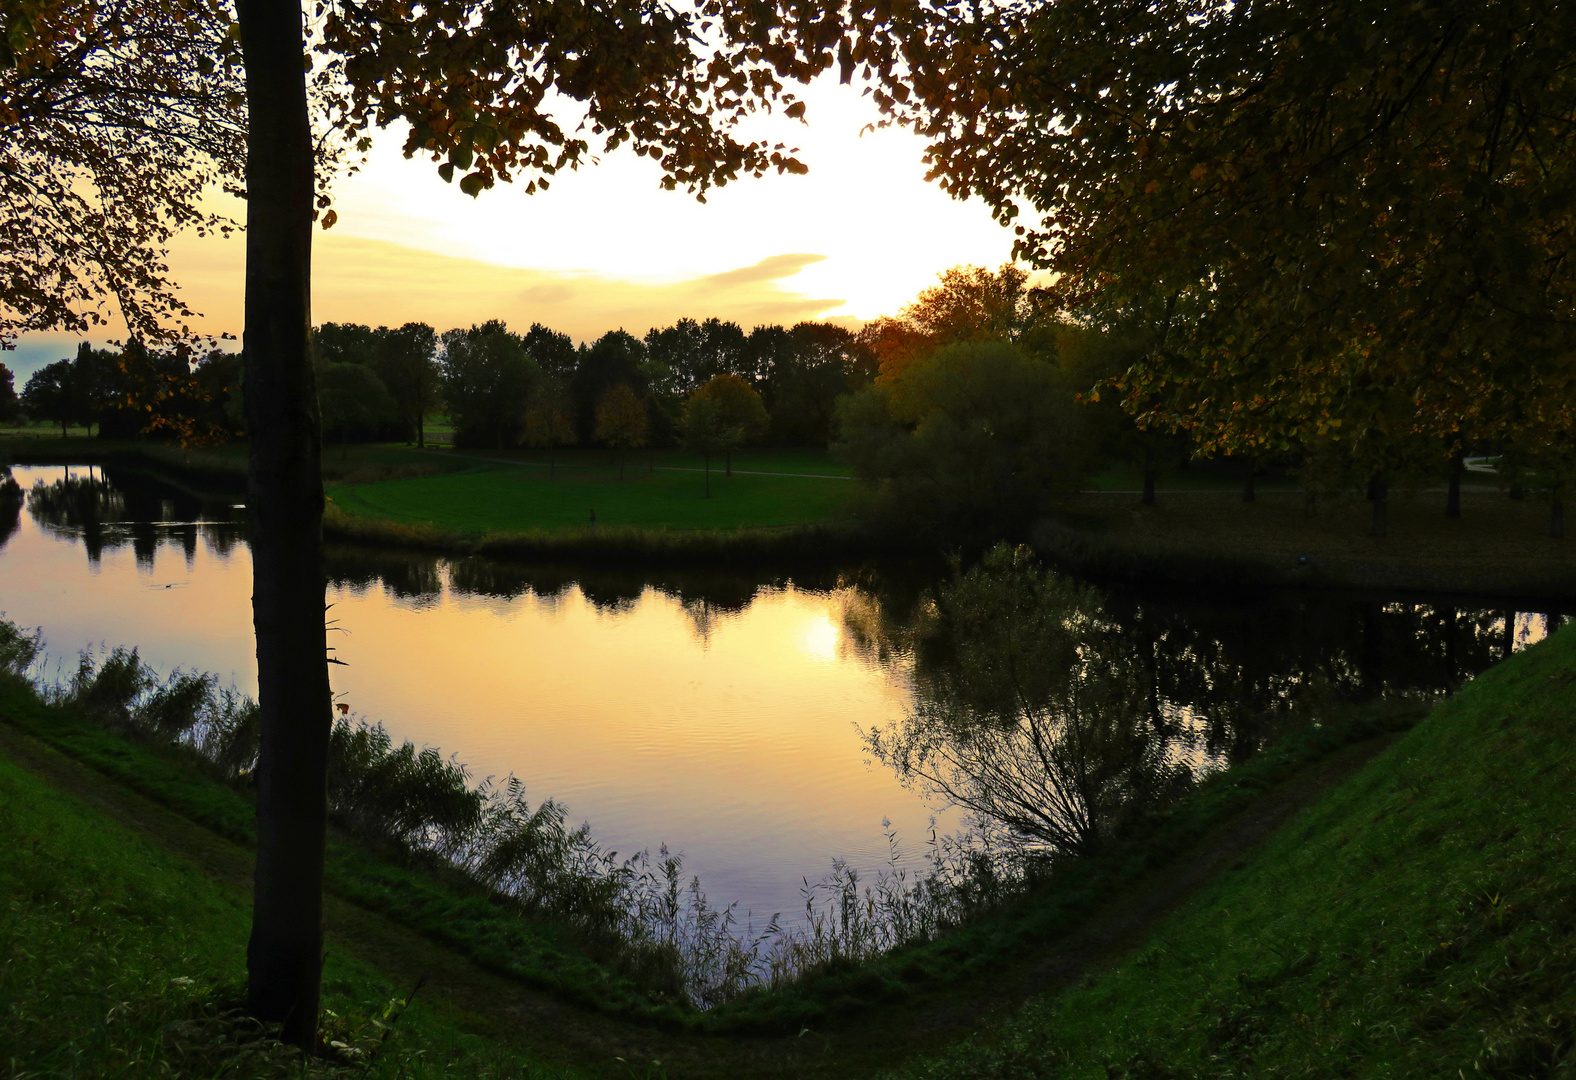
<point x="352" y="400"/>
<point x="406" y="359"/>
<point x="487" y="381"/>
<point x="54" y="393"/>
<point x="553" y="352"/>
<point x="616" y="357"/>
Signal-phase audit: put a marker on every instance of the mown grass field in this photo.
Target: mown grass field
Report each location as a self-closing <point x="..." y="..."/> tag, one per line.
<point x="1417" y="922"/>
<point x="485" y="496"/>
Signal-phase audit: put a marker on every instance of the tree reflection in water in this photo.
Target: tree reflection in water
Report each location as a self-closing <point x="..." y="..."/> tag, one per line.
<point x="1055" y="713"/>
<point x="1032" y="711"/>
<point x="11" y="500"/>
<point x="108" y="509"/>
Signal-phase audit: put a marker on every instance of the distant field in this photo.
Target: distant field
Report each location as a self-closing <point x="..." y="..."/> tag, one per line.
<point x="502" y="498"/>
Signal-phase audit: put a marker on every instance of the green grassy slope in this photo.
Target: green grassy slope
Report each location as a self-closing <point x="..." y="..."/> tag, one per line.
<point x="117" y="959"/>
<point x="1419" y="921"/>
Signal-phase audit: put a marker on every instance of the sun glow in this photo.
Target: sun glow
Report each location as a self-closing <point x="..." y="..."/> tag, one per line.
<point x="819" y="639"/>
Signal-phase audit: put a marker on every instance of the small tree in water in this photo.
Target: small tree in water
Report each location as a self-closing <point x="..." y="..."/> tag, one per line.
<point x="1036" y="723"/>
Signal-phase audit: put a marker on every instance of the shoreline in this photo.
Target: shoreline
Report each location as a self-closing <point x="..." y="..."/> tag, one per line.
<point x="1187" y="541"/>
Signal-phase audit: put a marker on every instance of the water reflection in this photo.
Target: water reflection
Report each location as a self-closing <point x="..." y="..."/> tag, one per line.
<point x="1033" y="712"/>
<point x="11" y="500"/>
<point x="108" y="509"/>
<point x="721" y="711"/>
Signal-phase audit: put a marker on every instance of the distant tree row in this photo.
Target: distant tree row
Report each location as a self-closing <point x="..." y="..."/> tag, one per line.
<point x="503" y="389"/>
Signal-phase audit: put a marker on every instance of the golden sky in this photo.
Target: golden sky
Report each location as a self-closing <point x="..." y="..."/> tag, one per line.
<point x="606" y="248"/>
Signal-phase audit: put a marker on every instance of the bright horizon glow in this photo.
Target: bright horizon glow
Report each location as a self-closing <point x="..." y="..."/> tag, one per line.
<point x="605" y="248"/>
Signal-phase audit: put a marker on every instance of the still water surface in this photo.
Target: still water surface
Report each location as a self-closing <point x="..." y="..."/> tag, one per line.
<point x="719" y="714"/>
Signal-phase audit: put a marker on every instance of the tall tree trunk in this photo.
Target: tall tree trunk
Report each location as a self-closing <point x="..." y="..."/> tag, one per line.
<point x="708" y="476"/>
<point x="1149" y="476"/>
<point x="1509" y="640"/>
<point x="1379" y="492"/>
<point x="285" y="494"/>
<point x="728" y="458"/>
<point x="1458" y="465"/>
<point x="421" y="423"/>
<point x="1557" y="518"/>
<point x="1248" y="494"/>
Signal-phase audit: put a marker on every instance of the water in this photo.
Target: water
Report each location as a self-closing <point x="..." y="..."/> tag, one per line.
<point x="722" y="715"/>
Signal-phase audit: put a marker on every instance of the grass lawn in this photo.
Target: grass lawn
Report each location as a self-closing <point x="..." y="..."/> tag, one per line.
<point x="491" y="498"/>
<point x="1416" y="922"/>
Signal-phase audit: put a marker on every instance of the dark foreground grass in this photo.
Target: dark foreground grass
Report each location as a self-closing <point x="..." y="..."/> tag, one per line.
<point x="449" y="910"/>
<point x="494" y="499"/>
<point x="439" y="905"/>
<point x="117" y="959"/>
<point x="1418" y="922"/>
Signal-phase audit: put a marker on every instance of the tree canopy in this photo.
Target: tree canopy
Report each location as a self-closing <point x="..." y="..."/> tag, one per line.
<point x="114" y="118"/>
<point x="1347" y="219"/>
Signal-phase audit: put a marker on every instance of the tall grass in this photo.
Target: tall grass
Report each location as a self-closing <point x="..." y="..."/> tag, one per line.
<point x="642" y="915"/>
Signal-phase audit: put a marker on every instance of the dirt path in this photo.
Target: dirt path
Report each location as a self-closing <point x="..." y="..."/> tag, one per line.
<point x="500" y="1008"/>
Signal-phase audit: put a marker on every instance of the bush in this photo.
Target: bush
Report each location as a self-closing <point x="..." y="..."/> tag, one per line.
<point x="967" y="443"/>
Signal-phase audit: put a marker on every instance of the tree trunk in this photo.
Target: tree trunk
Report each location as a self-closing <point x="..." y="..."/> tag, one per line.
<point x="1379" y="492"/>
<point x="1310" y="502"/>
<point x="421" y="424"/>
<point x="1458" y="466"/>
<point x="1248" y="494"/>
<point x="1518" y="492"/>
<point x="1509" y="640"/>
<point x="285" y="495"/>
<point x="1149" y="476"/>
<point x="728" y="458"/>
<point x="1557" y="519"/>
<point x="708" y="476"/>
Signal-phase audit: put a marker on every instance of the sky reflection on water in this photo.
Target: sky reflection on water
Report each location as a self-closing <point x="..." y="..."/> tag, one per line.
<point x="720" y="714"/>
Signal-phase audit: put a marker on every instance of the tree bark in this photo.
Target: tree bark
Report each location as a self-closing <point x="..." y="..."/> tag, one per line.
<point x="285" y="495"/>
<point x="1453" y="498"/>
<point x="1379" y="492"/>
<point x="1248" y="494"/>
<point x="1149" y="476"/>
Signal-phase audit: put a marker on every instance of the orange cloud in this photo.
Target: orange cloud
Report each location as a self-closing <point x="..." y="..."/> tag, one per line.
<point x="378" y="282"/>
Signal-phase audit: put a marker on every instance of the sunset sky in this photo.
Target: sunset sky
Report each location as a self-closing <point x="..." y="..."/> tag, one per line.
<point x="606" y="248"/>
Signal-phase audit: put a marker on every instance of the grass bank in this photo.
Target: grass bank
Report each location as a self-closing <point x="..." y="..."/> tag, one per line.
<point x="1498" y="546"/>
<point x="1415" y="922"/>
<point x="121" y="959"/>
<point x="871" y="1010"/>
